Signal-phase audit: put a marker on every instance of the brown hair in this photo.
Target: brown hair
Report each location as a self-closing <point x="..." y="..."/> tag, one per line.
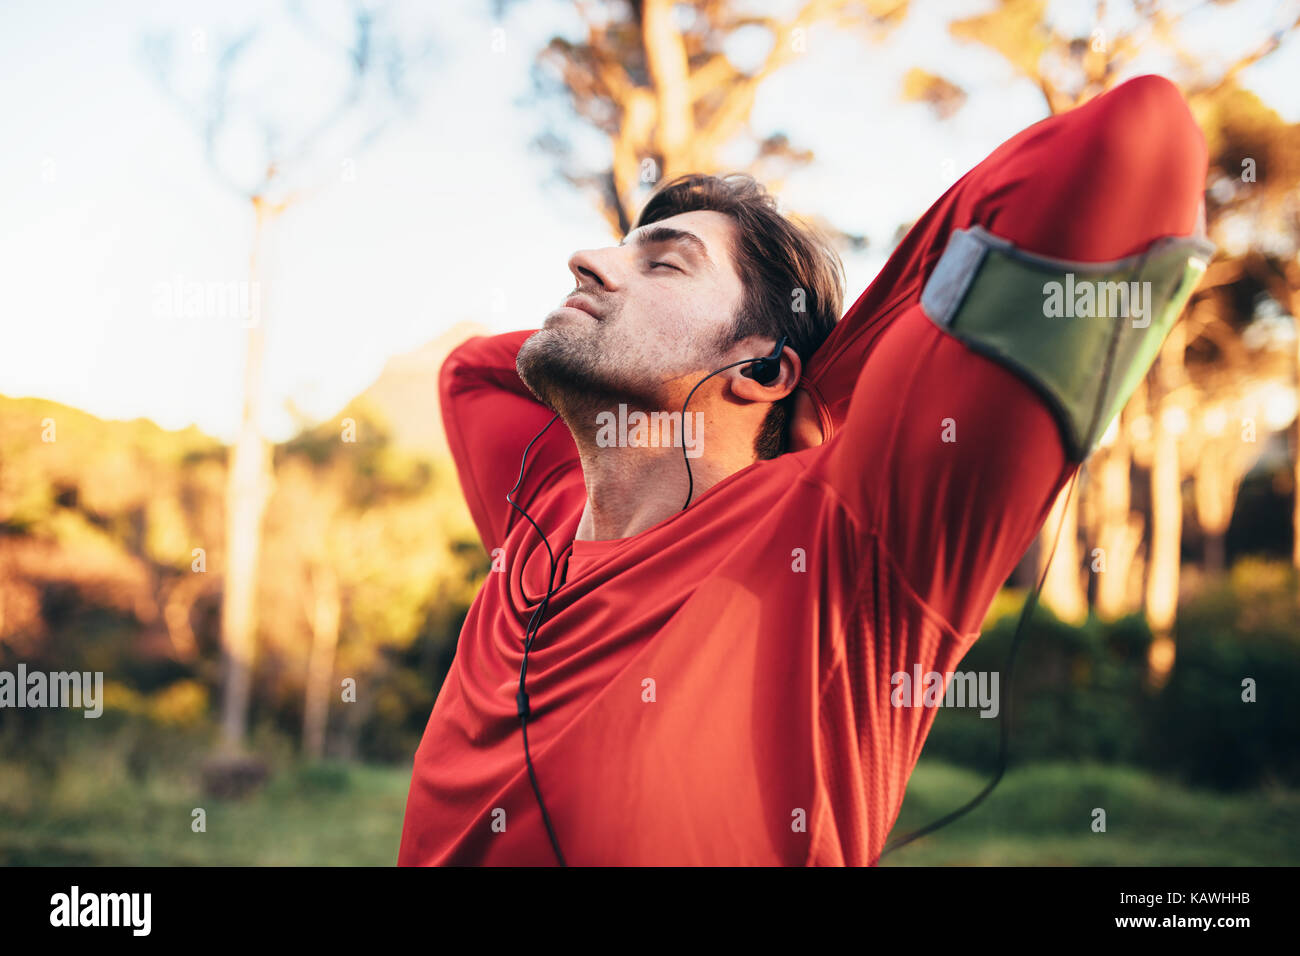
<point x="794" y="280"/>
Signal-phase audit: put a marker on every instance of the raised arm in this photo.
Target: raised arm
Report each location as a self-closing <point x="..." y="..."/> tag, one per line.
<point x="951" y="427"/>
<point x="490" y="417"/>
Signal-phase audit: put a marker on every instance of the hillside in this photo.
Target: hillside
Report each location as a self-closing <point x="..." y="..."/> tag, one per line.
<point x="405" y="395"/>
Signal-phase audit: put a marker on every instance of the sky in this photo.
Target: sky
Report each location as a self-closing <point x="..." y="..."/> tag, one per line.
<point x="112" y="217"/>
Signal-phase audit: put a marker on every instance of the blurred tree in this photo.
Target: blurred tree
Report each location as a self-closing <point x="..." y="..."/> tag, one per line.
<point x="315" y="526"/>
<point x="99" y="519"/>
<point x="1168" y="422"/>
<point x="1113" y="527"/>
<point x="671" y="84"/>
<point x="1254" y="210"/>
<point x="239" y="101"/>
<point x="1063" y="579"/>
<point x="1070" y="64"/>
<point x="351" y="530"/>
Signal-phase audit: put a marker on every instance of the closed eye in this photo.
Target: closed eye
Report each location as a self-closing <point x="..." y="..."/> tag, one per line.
<point x="667" y="265"/>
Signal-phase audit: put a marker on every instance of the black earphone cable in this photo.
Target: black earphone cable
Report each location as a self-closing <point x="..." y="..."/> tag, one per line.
<point x="1004" y="728"/>
<point x="762" y="367"/>
<point x="765" y="366"/>
<point x="530" y="635"/>
<point x="535" y="622"/>
<point x="1031" y="603"/>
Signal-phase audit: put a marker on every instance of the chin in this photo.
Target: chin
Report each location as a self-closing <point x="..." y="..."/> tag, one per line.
<point x="567" y="371"/>
<point x="552" y="362"/>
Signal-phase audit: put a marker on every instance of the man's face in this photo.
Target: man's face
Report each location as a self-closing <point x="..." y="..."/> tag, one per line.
<point x="646" y="315"/>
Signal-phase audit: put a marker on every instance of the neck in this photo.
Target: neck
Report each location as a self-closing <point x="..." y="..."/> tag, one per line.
<point x="635" y="470"/>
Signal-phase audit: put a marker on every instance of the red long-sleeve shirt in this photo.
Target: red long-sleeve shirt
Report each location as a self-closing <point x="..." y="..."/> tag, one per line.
<point x="716" y="688"/>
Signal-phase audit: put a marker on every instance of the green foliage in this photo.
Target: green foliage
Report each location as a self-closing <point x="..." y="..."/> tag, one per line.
<point x="1080" y="693"/>
<point x="1246" y="628"/>
<point x="1042" y="816"/>
<point x="99" y="530"/>
<point x="124" y="796"/>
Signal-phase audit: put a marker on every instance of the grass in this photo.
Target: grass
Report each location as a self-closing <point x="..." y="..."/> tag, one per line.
<point x="1042" y="815"/>
<point x="92" y="806"/>
<point x="96" y="813"/>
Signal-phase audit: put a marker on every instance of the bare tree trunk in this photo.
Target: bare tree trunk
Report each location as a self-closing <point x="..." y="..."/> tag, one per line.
<point x="320" y="665"/>
<point x="1214" y="555"/>
<point x="1119" y="531"/>
<point x="670" y="76"/>
<point x="1166" y="512"/>
<point x="177" y="606"/>
<point x="1294" y="275"/>
<point x="1223" y="461"/>
<point x="248" y="487"/>
<point x="1214" y="495"/>
<point x="1063" y="589"/>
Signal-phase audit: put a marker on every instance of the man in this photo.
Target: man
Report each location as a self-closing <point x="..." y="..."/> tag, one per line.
<point x="713" y="684"/>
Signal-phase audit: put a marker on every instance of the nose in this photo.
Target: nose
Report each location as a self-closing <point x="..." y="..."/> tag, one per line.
<point x="595" y="268"/>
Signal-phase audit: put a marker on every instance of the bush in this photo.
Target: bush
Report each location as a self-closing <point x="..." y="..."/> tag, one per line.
<point x="1247" y="629"/>
<point x="1080" y="693"/>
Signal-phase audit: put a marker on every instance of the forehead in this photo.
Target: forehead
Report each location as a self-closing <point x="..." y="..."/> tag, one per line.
<point x="714" y="229"/>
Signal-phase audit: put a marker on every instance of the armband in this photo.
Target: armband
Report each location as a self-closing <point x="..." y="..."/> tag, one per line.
<point x="1082" y="334"/>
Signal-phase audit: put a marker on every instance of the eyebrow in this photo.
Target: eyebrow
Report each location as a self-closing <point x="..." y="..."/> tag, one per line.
<point x="657" y="234"/>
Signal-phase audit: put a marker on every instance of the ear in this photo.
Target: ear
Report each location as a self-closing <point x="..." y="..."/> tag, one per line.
<point x="752" y="391"/>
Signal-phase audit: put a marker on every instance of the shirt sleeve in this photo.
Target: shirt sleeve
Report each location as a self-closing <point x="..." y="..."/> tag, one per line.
<point x="490" y="417"/>
<point x="945" y="454"/>
<point x="951" y="460"/>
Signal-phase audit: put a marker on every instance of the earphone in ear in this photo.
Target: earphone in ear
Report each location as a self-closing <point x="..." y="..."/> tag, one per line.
<point x="765" y="370"/>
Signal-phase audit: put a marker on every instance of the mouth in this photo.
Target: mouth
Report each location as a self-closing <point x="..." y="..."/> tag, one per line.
<point x="582" y="305"/>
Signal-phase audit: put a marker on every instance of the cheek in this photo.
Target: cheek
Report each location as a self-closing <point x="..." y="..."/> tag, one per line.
<point x="673" y="329"/>
<point x="690" y="321"/>
<point x="655" y="317"/>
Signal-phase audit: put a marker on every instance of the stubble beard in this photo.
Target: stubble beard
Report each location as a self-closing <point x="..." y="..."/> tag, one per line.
<point x="571" y="373"/>
<point x="580" y="372"/>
